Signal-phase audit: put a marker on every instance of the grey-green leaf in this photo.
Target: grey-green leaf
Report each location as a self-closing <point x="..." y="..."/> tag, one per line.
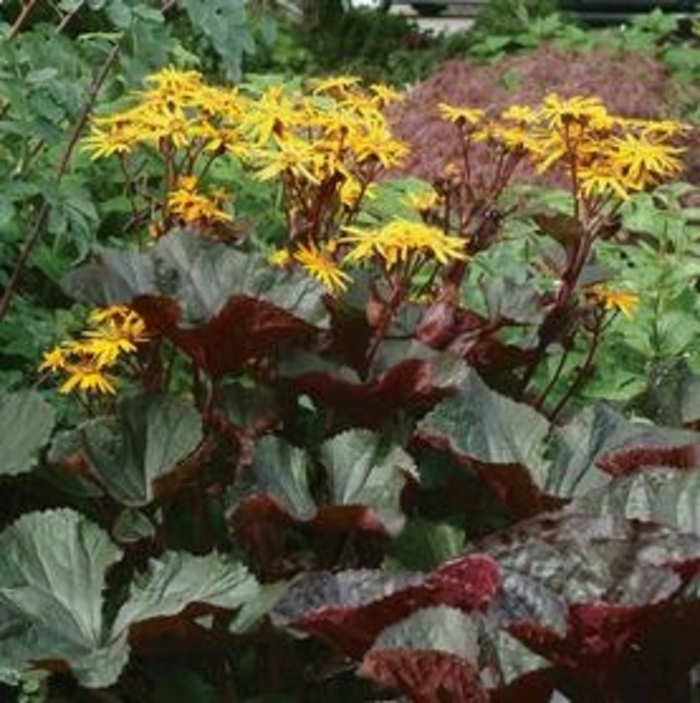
<point x="366" y="470"/>
<point x="282" y="473"/>
<point x="490" y="427"/>
<point x="52" y="575"/>
<point x="26" y="421"/>
<point x="149" y="437"/>
<point x="177" y="579"/>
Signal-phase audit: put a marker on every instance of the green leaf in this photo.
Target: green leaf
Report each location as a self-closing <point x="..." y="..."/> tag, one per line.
<point x="52" y="580"/>
<point x="441" y="628"/>
<point x="255" y="609"/>
<point x="177" y="579"/>
<point x="26" y="421"/>
<point x="224" y="23"/>
<point x="52" y="575"/>
<point x="491" y="428"/>
<point x="365" y="470"/>
<point x="424" y="545"/>
<point x="282" y="473"/>
<point x="149" y="437"/>
<point x="183" y="685"/>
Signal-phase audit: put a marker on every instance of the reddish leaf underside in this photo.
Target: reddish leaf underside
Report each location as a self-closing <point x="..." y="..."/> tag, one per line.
<point x="620" y="462"/>
<point x="425" y="676"/>
<point x="410" y="385"/>
<point x="468" y="583"/>
<point x="244" y="330"/>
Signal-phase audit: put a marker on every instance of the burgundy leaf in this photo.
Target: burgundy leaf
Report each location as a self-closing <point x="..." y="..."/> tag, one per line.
<point x="628" y="460"/>
<point x="410" y="385"/>
<point x="351" y="608"/>
<point x="425" y="676"/>
<point x="600" y="598"/>
<point x="244" y="330"/>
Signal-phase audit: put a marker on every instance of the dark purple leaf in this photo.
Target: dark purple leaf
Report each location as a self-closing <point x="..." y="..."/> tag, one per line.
<point x="644" y="452"/>
<point x="244" y="331"/>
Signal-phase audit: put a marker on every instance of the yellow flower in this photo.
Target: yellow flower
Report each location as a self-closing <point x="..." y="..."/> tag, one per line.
<point x="558" y="111"/>
<point x="424" y="201"/>
<point x="279" y="258"/>
<point x="462" y="115"/>
<point x="90" y="377"/>
<point x="320" y="264"/>
<point x="644" y="161"/>
<point x="114" y="331"/>
<point x="335" y="84"/>
<point x="55" y="359"/>
<point x="616" y="300"/>
<point x="192" y="207"/>
<point x="398" y="240"/>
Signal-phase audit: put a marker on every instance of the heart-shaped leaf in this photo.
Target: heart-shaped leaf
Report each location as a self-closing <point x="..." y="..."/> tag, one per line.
<point x="599" y="596"/>
<point x="200" y="275"/>
<point x="662" y="496"/>
<point x="490" y="428"/>
<point x="349" y="609"/>
<point x="52" y="595"/>
<point x="178" y="579"/>
<point x="147" y="439"/>
<point x="52" y="576"/>
<point x="367" y="471"/>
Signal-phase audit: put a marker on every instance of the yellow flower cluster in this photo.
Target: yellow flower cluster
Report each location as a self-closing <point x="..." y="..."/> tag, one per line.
<point x="114" y="331"/>
<point x="191" y="207"/>
<point x="179" y="111"/>
<point x="605" y="155"/>
<point x="401" y="240"/>
<point x="326" y="145"/>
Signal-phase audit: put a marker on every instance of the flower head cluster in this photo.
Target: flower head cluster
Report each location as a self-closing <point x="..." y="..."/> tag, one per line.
<point x="403" y="241"/>
<point x="330" y="143"/>
<point x="192" y="207"/>
<point x="178" y="109"/>
<point x="604" y="154"/>
<point x="113" y="332"/>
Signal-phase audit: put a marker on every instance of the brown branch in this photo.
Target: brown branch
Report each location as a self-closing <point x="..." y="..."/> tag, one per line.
<point x="24" y="13"/>
<point x="35" y="234"/>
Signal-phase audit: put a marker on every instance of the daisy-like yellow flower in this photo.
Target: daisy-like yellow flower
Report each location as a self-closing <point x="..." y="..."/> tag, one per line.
<point x="90" y="378"/>
<point x="400" y="239"/>
<point x="122" y="320"/>
<point x="335" y="84"/>
<point x="114" y="331"/>
<point x="320" y="264"/>
<point x="644" y="161"/>
<point x="461" y="115"/>
<point x="557" y="111"/>
<point x="424" y="201"/>
<point x="616" y="300"/>
<point x="55" y="359"/>
<point x="193" y="207"/>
